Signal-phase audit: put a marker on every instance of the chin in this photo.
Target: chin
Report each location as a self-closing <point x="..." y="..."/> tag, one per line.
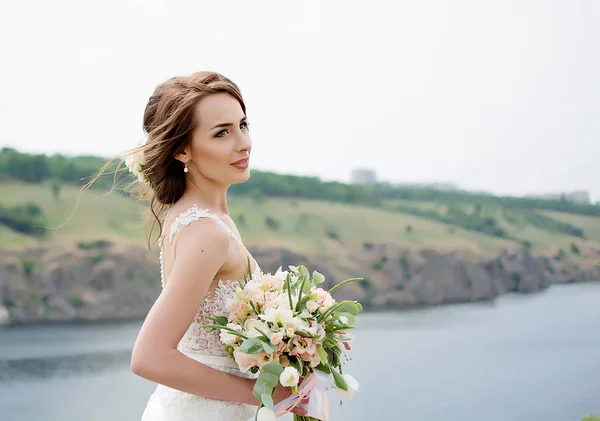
<point x="241" y="178"/>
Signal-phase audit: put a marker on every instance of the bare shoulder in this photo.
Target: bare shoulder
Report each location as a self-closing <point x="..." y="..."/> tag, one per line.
<point x="204" y="235"/>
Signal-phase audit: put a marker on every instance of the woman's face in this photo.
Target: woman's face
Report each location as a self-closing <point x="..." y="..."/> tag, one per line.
<point x="220" y="147"/>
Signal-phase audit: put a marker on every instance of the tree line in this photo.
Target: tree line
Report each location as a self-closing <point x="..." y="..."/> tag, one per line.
<point x="37" y="168"/>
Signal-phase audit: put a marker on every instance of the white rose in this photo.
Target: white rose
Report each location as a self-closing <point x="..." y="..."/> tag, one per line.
<point x="353" y="387"/>
<point x="289" y="377"/>
<point x="229" y="338"/>
<point x="278" y="315"/>
<point x="281" y="275"/>
<point x="300" y="324"/>
<point x="283" y="300"/>
<point x="134" y="163"/>
<point x="265" y="414"/>
<point x="250" y="325"/>
<point x="312" y="306"/>
<point x="254" y="293"/>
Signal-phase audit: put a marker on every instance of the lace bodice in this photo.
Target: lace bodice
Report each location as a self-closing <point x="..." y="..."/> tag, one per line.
<point x="196" y="339"/>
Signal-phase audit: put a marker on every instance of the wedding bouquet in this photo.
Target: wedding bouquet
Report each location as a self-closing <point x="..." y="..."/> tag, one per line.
<point x="286" y="328"/>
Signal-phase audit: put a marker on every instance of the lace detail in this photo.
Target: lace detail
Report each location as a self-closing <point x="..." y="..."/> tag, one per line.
<point x="193" y="214"/>
<point x="202" y="340"/>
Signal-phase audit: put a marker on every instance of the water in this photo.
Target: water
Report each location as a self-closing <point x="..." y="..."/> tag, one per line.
<point x="515" y="359"/>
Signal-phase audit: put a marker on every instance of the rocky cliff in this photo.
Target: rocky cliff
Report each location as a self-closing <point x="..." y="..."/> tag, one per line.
<point x="113" y="282"/>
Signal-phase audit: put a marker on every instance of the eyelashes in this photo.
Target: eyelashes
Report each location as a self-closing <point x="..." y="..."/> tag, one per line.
<point x="244" y="125"/>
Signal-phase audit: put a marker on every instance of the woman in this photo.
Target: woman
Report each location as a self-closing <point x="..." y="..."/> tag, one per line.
<point x="198" y="145"/>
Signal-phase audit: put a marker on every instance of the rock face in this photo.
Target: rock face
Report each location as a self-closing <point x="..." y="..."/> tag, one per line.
<point x="112" y="282"/>
<point x="106" y="283"/>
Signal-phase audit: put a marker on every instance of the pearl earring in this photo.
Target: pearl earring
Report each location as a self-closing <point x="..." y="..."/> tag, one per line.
<point x="185" y="169"/>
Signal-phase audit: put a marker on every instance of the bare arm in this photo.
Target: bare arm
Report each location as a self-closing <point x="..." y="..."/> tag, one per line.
<point x="201" y="251"/>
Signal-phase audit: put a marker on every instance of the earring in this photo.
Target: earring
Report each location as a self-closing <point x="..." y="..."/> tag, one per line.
<point x="185" y="169"/>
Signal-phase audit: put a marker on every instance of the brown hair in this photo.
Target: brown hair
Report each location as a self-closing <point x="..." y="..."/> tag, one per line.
<point x="169" y="120"/>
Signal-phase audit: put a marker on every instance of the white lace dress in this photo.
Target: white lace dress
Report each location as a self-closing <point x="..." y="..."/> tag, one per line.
<point x="167" y="404"/>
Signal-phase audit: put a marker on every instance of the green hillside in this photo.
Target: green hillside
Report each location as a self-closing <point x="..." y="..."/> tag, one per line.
<point x="304" y="214"/>
<point x="303" y="225"/>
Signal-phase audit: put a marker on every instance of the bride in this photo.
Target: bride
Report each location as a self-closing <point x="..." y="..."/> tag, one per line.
<point x="198" y="145"/>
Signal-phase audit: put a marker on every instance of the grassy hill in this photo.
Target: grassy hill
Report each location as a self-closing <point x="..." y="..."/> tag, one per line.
<point x="307" y="225"/>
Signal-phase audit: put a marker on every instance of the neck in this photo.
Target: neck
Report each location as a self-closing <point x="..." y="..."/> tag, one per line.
<point x="207" y="194"/>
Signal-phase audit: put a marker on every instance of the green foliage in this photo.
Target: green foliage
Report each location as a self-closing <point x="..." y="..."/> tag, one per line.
<point x="56" y="189"/>
<point x="368" y="245"/>
<point x="28" y="266"/>
<point x="457" y="216"/>
<point x="94" y="244"/>
<point x="408" y="229"/>
<point x="575" y="249"/>
<point x="27" y="219"/>
<point x="378" y="265"/>
<point x="544" y="222"/>
<point x="333" y="234"/>
<point x="98" y="258"/>
<point x="78" y="170"/>
<point x="272" y="223"/>
<point x="77" y="302"/>
<point x="591" y="417"/>
<point x="365" y="283"/>
<point x="404" y="264"/>
<point x="256" y="194"/>
<point x="31" y="168"/>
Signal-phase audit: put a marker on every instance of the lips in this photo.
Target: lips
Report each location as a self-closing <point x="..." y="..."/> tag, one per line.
<point x="241" y="164"/>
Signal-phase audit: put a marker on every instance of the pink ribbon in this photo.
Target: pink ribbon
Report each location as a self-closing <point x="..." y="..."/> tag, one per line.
<point x="314" y="386"/>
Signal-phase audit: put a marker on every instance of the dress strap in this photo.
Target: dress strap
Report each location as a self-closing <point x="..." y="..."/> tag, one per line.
<point x="193" y="214"/>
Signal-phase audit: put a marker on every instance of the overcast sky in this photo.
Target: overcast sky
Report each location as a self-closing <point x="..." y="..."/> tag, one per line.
<point x="502" y="96"/>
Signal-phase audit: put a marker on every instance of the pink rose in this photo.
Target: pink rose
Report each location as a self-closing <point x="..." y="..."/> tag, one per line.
<point x="245" y="361"/>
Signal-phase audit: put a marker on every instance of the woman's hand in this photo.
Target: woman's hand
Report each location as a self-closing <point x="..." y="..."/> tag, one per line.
<point x="282" y="392"/>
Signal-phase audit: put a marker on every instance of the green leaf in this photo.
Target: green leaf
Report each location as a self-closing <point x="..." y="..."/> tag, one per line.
<point x="324" y="368"/>
<point x="269" y="379"/>
<point x="267" y="400"/>
<point x="352" y="307"/>
<point x="322" y="354"/>
<point x="274" y="368"/>
<point x="289" y="289"/>
<point x="249" y="268"/>
<point x="218" y="320"/>
<point x="302" y="304"/>
<point x="347" y="281"/>
<point x="263" y="335"/>
<point x="351" y="319"/>
<point x="260" y="388"/>
<point x="306" y="288"/>
<point x="251" y="346"/>
<point x="303" y="271"/>
<point x="304" y="281"/>
<point x="339" y="380"/>
<point x="268" y="347"/>
<point x="228" y="329"/>
<point x="318" y="278"/>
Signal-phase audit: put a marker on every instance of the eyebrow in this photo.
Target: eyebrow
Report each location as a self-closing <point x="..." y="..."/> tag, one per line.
<point x="228" y="124"/>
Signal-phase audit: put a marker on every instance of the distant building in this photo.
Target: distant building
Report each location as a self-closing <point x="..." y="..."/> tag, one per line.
<point x="363" y="176"/>
<point x="580" y="196"/>
<point x="433" y="185"/>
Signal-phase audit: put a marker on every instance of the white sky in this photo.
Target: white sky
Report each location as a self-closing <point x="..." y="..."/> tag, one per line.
<point x="502" y="96"/>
